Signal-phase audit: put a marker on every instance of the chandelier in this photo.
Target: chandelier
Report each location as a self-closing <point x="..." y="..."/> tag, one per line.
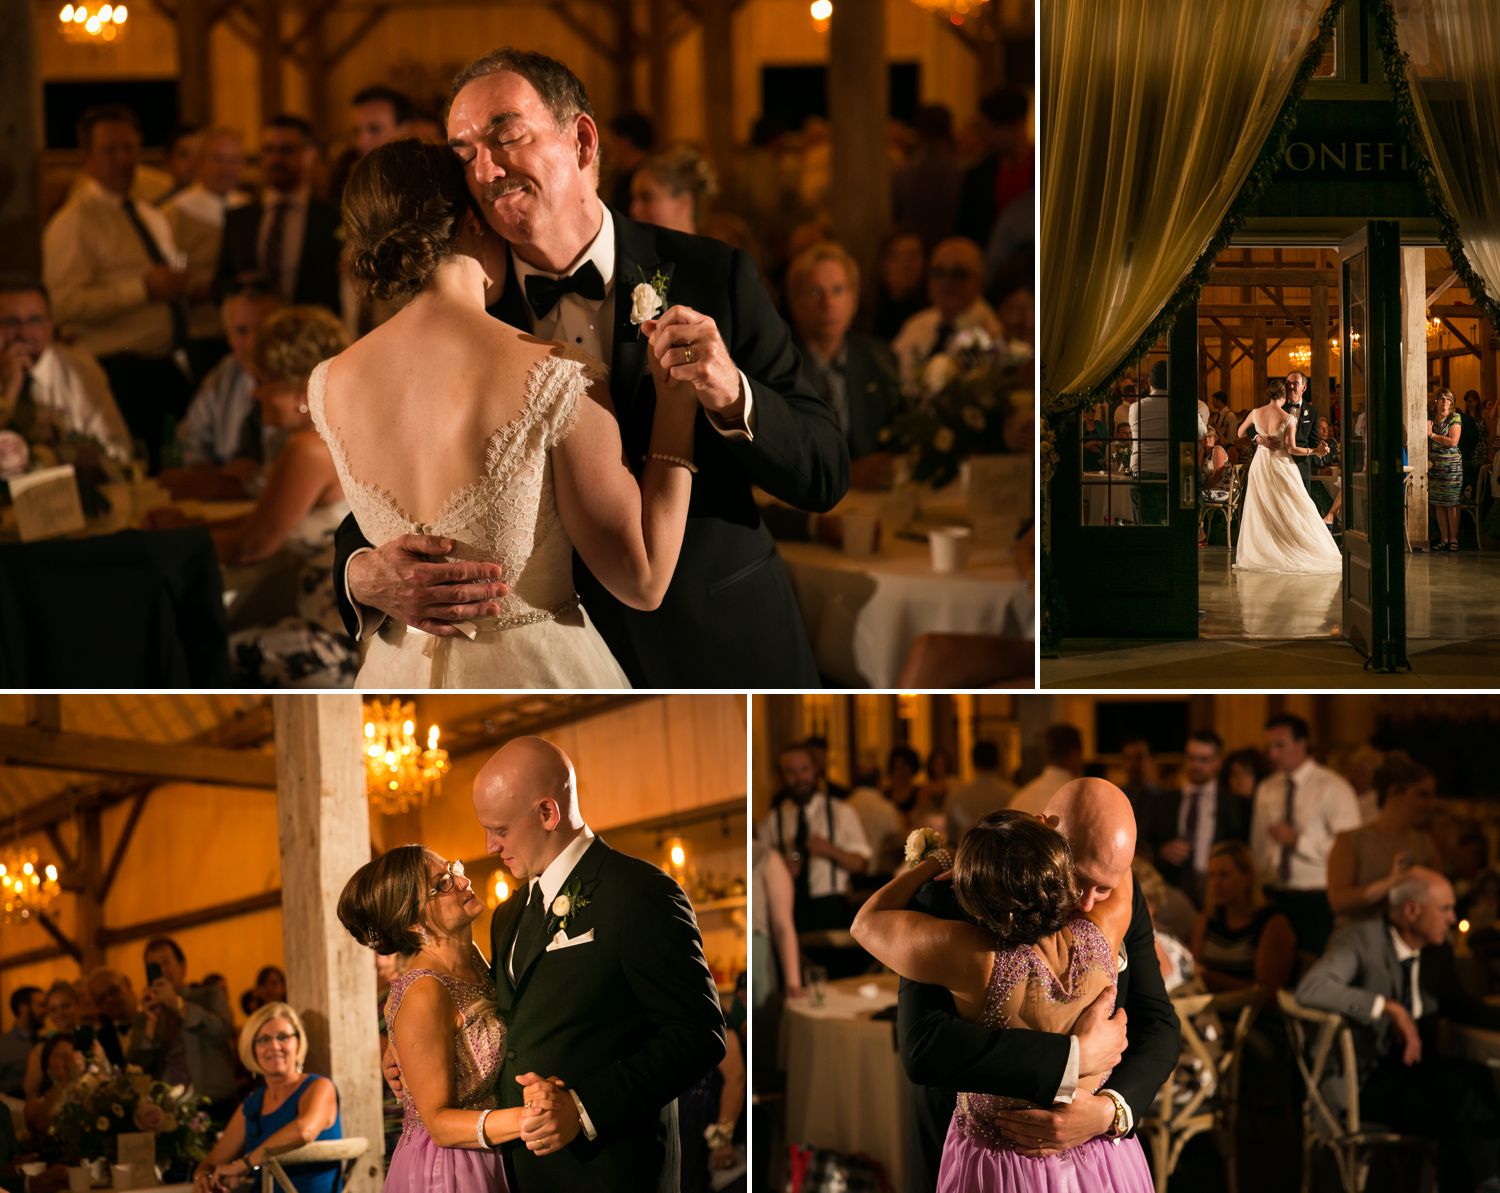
<point x="83" y="26"/>
<point x="399" y="774"/>
<point x="1301" y="357"/>
<point x="1434" y="327"/>
<point x="26" y="886"/>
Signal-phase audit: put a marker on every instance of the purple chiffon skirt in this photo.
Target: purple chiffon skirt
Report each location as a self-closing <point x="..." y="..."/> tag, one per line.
<point x="420" y="1166"/>
<point x="1098" y="1166"/>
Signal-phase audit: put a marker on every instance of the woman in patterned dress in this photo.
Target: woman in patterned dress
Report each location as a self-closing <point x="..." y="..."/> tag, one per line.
<point x="444" y="1028"/>
<point x="1028" y="960"/>
<point x="1445" y="469"/>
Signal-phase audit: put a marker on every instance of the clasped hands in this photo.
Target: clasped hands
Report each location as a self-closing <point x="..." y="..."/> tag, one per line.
<point x="550" y="1121"/>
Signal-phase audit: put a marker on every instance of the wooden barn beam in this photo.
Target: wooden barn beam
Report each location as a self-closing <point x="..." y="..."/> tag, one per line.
<point x="1469" y="345"/>
<point x="1266" y="274"/>
<point x="64" y="941"/>
<point x="658" y="50"/>
<point x="191" y="919"/>
<point x="356" y="35"/>
<point x="65" y="857"/>
<point x="718" y="87"/>
<point x="195" y="92"/>
<point x="25" y="745"/>
<point x="132" y="819"/>
<point x="46" y="712"/>
<point x="586" y="29"/>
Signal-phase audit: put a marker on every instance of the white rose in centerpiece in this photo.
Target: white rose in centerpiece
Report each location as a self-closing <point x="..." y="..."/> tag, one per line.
<point x="937" y="373"/>
<point x="15" y="455"/>
<point x="943" y="440"/>
<point x="645" y="303"/>
<point x="562" y="905"/>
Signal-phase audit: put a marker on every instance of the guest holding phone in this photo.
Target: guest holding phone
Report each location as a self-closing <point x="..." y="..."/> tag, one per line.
<point x="187" y="1030"/>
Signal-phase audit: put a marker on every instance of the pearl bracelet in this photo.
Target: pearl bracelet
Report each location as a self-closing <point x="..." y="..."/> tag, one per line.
<point x="479" y="1129"/>
<point x="679" y="460"/>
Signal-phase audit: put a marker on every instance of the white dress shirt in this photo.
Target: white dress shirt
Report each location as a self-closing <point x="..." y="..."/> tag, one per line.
<point x="1207" y="795"/>
<point x="833" y="820"/>
<point x="1033" y="797"/>
<point x="95" y="267"/>
<point x="1148" y="421"/>
<point x="71" y="384"/>
<point x="292" y="234"/>
<point x="1323" y="807"/>
<point x="196" y="215"/>
<point x="917" y="339"/>
<point x="211" y="430"/>
<point x="1404" y="953"/>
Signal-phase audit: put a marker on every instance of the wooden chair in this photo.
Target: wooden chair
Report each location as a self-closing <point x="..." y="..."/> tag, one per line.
<point x="1315" y="1038"/>
<point x="273" y="1177"/>
<point x="1202" y="1092"/>
<point x="1471" y="502"/>
<point x="1228" y="509"/>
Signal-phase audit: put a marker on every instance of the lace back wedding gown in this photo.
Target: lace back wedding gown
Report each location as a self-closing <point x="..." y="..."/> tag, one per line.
<point x="1044" y="987"/>
<point x="508" y="515"/>
<point x="1280" y="527"/>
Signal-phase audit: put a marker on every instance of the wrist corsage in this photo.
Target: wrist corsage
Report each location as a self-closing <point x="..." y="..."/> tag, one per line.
<point x="925" y="843"/>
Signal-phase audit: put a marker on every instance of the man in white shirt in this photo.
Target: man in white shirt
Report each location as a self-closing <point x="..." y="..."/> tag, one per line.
<point x="42" y="381"/>
<point x="1063" y="747"/>
<point x="955" y="281"/>
<point x="1149" y="432"/>
<point x="986" y="792"/>
<point x="116" y="279"/>
<point x="196" y="214"/>
<point x="1299" y="810"/>
<point x="822" y="840"/>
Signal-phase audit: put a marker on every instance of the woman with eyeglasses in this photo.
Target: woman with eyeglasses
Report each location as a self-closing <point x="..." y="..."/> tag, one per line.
<point x="292" y="1108"/>
<point x="445" y="1030"/>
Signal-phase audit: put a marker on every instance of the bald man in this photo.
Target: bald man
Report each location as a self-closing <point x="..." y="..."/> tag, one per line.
<point x="944" y="1054"/>
<point x="1394" y="979"/>
<point x="599" y="973"/>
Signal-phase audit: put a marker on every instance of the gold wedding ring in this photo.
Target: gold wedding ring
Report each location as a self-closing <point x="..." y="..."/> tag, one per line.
<point x="689" y="354"/>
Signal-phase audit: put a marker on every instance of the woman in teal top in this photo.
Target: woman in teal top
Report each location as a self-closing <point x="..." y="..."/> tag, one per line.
<point x="292" y="1108"/>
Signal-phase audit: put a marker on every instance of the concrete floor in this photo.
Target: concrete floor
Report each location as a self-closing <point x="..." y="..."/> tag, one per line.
<point x="1261" y="630"/>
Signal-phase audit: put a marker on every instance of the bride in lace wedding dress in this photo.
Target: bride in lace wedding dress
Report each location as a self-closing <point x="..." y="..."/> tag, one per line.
<point x="1280" y="527"/>
<point x="446" y="421"/>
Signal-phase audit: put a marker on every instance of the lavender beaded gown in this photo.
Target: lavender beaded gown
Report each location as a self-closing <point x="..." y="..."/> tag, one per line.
<point x="1027" y="991"/>
<point x="419" y="1165"/>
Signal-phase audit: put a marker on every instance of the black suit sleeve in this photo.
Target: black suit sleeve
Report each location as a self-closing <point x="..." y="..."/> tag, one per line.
<point x="798" y="452"/>
<point x="1153" y="1037"/>
<point x="940" y="1049"/>
<point x="662" y="958"/>
<point x="224" y="271"/>
<point x="346" y="542"/>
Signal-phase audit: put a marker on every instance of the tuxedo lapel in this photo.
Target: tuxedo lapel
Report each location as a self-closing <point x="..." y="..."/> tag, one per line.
<point x="635" y="253"/>
<point x="504" y="936"/>
<point x="586" y="874"/>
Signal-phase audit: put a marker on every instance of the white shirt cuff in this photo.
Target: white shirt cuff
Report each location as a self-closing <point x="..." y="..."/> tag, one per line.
<point x="1379" y="1008"/>
<point x="1069" y="1085"/>
<point x="583" y="1117"/>
<point x="1125" y="1106"/>
<point x="361" y="631"/>
<point x="740" y="428"/>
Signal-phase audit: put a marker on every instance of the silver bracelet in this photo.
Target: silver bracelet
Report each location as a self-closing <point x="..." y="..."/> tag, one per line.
<point x="479" y="1129"/>
<point x="679" y="460"/>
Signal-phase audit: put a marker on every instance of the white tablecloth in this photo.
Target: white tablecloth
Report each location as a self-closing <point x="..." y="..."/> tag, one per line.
<point x="846" y="1089"/>
<point x="1108" y="501"/>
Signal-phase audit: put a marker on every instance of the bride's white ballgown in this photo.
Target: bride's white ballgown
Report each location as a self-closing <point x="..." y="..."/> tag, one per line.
<point x="1280" y="527"/>
<point x="542" y="638"/>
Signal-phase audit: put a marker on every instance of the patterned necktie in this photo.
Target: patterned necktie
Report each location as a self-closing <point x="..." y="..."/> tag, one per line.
<point x="802" y="884"/>
<point x="1284" y="870"/>
<point x="529" y="933"/>
<point x="157" y="257"/>
<point x="275" y="247"/>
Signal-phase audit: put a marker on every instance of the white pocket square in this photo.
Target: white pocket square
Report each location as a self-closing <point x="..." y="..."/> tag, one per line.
<point x="563" y="941"/>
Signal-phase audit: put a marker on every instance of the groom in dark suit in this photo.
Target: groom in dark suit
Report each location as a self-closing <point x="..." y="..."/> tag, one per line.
<point x="1307" y="425"/>
<point x="600" y="980"/>
<point x="944" y="1054"/>
<point x="585" y="275"/>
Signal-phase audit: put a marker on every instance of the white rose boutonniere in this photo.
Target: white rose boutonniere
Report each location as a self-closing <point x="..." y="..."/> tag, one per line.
<point x="568" y="903"/>
<point x="649" y="297"/>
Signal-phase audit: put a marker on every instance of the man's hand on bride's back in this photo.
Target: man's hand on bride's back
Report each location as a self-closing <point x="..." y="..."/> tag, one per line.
<point x="408" y="579"/>
<point x="390" y="1067"/>
<point x="1101" y="1036"/>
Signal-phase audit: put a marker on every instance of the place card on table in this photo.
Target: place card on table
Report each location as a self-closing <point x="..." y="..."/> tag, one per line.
<point x="46" y="503"/>
<point x="1001" y="496"/>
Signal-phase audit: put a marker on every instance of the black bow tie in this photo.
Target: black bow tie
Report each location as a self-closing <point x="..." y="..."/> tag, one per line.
<point x="543" y="293"/>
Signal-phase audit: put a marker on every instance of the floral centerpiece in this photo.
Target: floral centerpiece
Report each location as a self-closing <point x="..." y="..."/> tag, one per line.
<point x="102" y="1105"/>
<point x="959" y="404"/>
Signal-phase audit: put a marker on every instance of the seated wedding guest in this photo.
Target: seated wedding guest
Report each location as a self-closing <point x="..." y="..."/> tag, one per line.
<point x="286" y="238"/>
<point x="1298" y="812"/>
<point x="1095" y="433"/>
<point x="194" y="1048"/>
<point x="291" y="1108"/>
<point x="1473" y="441"/>
<point x="986" y="792"/>
<point x="630" y="136"/>
<point x="954" y="278"/>
<point x="1062" y="749"/>
<point x="1366" y="862"/>
<point x="1329" y="502"/>
<point x="852" y="372"/>
<point x="1215" y="472"/>
<point x="184" y="155"/>
<point x="28" y="1009"/>
<point x="1173" y="957"/>
<point x="1017" y="315"/>
<point x="821" y="840"/>
<point x="924" y="192"/>
<point x="112" y="269"/>
<point x="900" y="282"/>
<point x="196" y="214"/>
<point x="1240" y="940"/>
<point x="61" y="1064"/>
<point x="1186" y="822"/>
<point x="64" y="1019"/>
<point x="225" y="446"/>
<point x="116" y="1013"/>
<point x="48" y="391"/>
<point x="1445" y="470"/>
<point x="672" y="189"/>
<point x="902" y="765"/>
<point x="885" y="830"/>
<point x="1393" y="978"/>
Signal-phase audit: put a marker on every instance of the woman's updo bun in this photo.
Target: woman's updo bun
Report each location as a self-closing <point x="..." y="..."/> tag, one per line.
<point x="381" y="905"/>
<point x="402" y="206"/>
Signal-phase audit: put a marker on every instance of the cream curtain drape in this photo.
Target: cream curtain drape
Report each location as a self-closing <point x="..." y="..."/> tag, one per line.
<point x="1453" y="70"/>
<point x="1154" y="112"/>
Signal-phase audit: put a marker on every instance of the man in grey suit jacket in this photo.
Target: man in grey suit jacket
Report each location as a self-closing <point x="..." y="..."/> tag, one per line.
<point x="1393" y="978"/>
<point x="192" y="1042"/>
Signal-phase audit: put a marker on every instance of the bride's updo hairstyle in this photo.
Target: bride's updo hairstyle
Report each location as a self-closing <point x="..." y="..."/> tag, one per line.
<point x="381" y="905"/>
<point x="402" y="206"/>
<point x="1014" y="876"/>
<point x="1276" y="390"/>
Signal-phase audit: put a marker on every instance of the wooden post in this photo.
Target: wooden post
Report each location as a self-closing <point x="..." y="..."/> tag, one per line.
<point x="21" y="141"/>
<point x="90" y="903"/>
<point x="315" y="51"/>
<point x="660" y="56"/>
<point x="1414" y="386"/>
<point x="1318" y="383"/>
<point x="270" y="59"/>
<point x="325" y="838"/>
<point x="858" y="103"/>
<point x="1226" y="371"/>
<point x="195" y="90"/>
<point x="1259" y="358"/>
<point x="718" y="86"/>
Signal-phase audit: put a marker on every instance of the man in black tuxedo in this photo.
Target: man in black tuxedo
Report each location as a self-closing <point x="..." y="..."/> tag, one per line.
<point x="523" y="127"/>
<point x="944" y="1054"/>
<point x="1307" y="425"/>
<point x="600" y="979"/>
<point x="286" y="240"/>
<point x="1187" y="821"/>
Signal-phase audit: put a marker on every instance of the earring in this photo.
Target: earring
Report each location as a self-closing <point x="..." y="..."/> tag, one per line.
<point x="302" y="409"/>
